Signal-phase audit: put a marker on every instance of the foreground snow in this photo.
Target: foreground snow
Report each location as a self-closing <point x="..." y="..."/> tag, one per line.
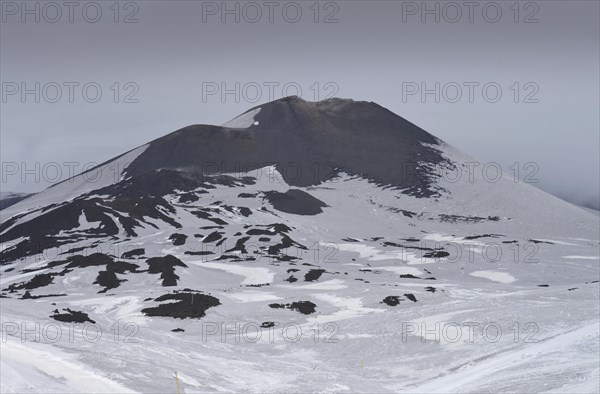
<point x="507" y="325"/>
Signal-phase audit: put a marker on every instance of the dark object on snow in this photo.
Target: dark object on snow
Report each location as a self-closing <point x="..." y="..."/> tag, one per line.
<point x="72" y="316"/>
<point x="189" y="305"/>
<point x="295" y="201"/>
<point x="391" y="300"/>
<point x="313" y="275"/>
<point x="410" y="297"/>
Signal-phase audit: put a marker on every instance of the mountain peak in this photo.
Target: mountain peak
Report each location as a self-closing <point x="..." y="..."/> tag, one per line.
<point x="332" y="135"/>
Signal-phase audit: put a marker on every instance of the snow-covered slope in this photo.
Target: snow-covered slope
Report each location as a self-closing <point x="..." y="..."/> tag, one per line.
<point x="10" y="198"/>
<point x="96" y="178"/>
<point x="353" y="275"/>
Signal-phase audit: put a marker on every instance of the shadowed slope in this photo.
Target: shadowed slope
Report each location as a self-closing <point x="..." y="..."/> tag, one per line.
<point x="308" y="143"/>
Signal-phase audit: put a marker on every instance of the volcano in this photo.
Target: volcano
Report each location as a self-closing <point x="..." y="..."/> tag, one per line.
<point x="307" y="143"/>
<point x="366" y="234"/>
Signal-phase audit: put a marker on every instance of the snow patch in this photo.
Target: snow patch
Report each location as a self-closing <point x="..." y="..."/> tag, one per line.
<point x="253" y="275"/>
<point x="500" y="277"/>
<point x="243" y="121"/>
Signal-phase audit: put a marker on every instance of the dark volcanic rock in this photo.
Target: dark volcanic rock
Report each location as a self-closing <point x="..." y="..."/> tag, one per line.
<point x="72" y="317"/>
<point x="178" y="239"/>
<point x="409" y="276"/>
<point x="245" y="211"/>
<point x="535" y="241"/>
<point x="166" y="267"/>
<point x="133" y="253"/>
<point x="471" y="237"/>
<point x="304" y="307"/>
<point x="40" y="280"/>
<point x="108" y="279"/>
<point x="212" y="237"/>
<point x="391" y="300"/>
<point x="410" y="297"/>
<point x="198" y="253"/>
<point x="295" y="201"/>
<point x="188" y="197"/>
<point x="205" y="214"/>
<point x="436" y="254"/>
<point x="189" y="305"/>
<point x="93" y="260"/>
<point x="28" y="296"/>
<point x="286" y="242"/>
<point x="313" y="275"/>
<point x="240" y="245"/>
<point x="466" y="219"/>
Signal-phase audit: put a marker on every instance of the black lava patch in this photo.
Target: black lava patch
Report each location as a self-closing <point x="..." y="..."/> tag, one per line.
<point x="166" y="267"/>
<point x="178" y="239"/>
<point x="304" y="307"/>
<point x="188" y="197"/>
<point x="28" y="296"/>
<point x="536" y="241"/>
<point x="391" y="300"/>
<point x="245" y="211"/>
<point x="471" y="237"/>
<point x="466" y="219"/>
<point x="133" y="253"/>
<point x="410" y="297"/>
<point x="436" y="254"/>
<point x="108" y="280"/>
<point x="296" y="202"/>
<point x="313" y="275"/>
<point x="40" y="280"/>
<point x="198" y="253"/>
<point x="72" y="317"/>
<point x="192" y="305"/>
<point x="205" y="214"/>
<point x="212" y="237"/>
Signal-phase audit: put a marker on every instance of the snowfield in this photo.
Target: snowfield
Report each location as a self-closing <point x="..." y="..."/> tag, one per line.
<point x="243" y="282"/>
<point x="512" y="335"/>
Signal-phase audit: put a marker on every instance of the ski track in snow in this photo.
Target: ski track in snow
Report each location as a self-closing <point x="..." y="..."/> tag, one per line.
<point x="463" y="378"/>
<point x="43" y="368"/>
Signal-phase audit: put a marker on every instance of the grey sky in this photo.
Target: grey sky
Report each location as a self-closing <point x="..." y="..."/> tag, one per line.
<point x="369" y="54"/>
